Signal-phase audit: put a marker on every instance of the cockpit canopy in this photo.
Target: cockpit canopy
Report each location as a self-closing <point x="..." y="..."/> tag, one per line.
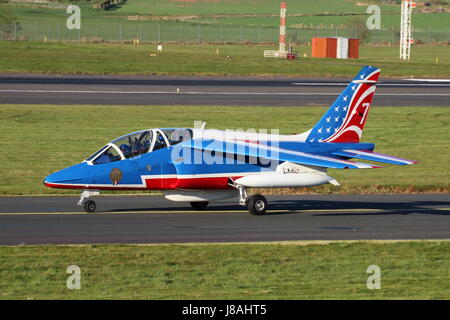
<point x="137" y="143"/>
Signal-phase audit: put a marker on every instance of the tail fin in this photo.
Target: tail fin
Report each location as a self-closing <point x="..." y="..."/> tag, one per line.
<point x="344" y="121"/>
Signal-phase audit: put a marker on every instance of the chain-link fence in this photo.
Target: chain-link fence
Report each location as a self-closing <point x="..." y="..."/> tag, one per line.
<point x="154" y="32"/>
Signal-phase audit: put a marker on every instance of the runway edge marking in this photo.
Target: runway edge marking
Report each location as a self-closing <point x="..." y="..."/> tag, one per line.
<point x="306" y="211"/>
<point x="287" y="243"/>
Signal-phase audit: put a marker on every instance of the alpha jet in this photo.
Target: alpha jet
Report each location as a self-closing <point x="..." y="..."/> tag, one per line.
<point x="197" y="165"/>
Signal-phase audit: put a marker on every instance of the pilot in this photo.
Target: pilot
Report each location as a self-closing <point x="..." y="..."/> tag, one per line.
<point x="126" y="150"/>
<point x="159" y="143"/>
<point x="146" y="146"/>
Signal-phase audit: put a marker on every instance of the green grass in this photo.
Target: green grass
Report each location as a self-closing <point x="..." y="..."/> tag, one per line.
<point x="89" y="58"/>
<point x="227" y="7"/>
<point x="38" y="140"/>
<point x="438" y="21"/>
<point x="409" y="270"/>
<point x="114" y="25"/>
<point x="163" y="7"/>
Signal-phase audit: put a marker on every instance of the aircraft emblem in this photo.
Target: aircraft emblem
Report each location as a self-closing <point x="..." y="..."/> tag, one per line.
<point x="115" y="176"/>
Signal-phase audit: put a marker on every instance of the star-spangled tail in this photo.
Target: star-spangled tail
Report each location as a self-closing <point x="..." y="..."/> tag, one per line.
<point x="345" y="119"/>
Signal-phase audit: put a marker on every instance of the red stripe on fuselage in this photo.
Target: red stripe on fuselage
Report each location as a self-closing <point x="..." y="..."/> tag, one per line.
<point x="160" y="184"/>
<point x="74" y="186"/>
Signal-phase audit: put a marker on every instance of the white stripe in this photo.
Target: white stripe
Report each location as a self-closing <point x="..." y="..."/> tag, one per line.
<point x="380" y="156"/>
<point x="429" y="80"/>
<point x="355" y="129"/>
<point x="219" y="93"/>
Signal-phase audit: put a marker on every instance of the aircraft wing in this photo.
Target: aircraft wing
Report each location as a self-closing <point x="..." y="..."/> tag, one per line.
<point x="273" y="153"/>
<point x="372" y="156"/>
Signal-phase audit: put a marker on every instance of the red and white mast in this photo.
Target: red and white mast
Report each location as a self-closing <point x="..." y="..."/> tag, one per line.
<point x="282" y="40"/>
<point x="405" y="29"/>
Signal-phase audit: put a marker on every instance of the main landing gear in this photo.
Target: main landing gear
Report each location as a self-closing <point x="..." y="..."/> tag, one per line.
<point x="256" y="204"/>
<point x="88" y="205"/>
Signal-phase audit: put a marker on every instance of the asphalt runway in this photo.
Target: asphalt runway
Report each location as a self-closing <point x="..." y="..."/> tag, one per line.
<point x="179" y="90"/>
<point x="152" y="219"/>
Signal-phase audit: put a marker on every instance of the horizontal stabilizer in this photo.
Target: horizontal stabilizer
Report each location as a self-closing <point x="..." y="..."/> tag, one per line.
<point x="274" y="154"/>
<point x="373" y="156"/>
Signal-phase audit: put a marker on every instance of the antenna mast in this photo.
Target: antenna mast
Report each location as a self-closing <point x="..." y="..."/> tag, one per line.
<point x="405" y="29"/>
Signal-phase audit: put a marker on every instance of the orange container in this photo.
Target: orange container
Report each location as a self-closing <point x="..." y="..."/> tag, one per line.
<point x="353" y="48"/>
<point x="324" y="47"/>
<point x="327" y="48"/>
<point x="319" y="47"/>
<point x="331" y="47"/>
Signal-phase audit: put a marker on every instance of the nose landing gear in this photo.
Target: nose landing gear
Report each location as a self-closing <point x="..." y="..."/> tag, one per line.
<point x="88" y="205"/>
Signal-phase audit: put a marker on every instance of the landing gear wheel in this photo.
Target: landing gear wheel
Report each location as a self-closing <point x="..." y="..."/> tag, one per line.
<point x="199" y="205"/>
<point x="89" y="206"/>
<point x="257" y="204"/>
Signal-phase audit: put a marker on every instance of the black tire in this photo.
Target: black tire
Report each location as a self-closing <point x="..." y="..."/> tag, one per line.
<point x="201" y="205"/>
<point x="257" y="204"/>
<point x="89" y="206"/>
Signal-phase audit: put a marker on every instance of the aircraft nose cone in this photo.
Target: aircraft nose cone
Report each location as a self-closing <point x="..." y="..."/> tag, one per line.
<point x="67" y="176"/>
<point x="50" y="179"/>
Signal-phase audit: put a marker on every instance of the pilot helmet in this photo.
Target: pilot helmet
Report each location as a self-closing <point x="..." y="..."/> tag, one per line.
<point x="126" y="149"/>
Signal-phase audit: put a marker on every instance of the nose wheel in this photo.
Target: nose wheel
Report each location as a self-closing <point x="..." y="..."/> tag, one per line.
<point x="88" y="205"/>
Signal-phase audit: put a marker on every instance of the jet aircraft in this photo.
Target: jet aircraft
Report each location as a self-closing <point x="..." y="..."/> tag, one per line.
<point x="199" y="165"/>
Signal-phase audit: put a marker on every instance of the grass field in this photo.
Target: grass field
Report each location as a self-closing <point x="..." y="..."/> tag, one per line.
<point x="409" y="270"/>
<point x="90" y="58"/>
<point x="222" y="21"/>
<point x="198" y="8"/>
<point x="244" y="12"/>
<point x="422" y="21"/>
<point x="162" y="7"/>
<point x="38" y="140"/>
